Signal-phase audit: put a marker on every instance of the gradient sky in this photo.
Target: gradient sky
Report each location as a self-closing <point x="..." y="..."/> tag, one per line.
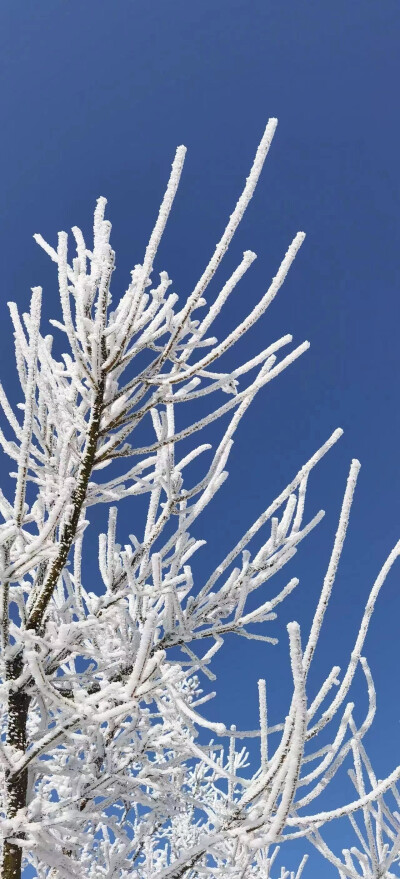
<point x="95" y="97"/>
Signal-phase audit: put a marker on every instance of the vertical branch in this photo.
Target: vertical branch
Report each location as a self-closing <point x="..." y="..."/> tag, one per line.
<point x="16" y="787"/>
<point x="18" y="701"/>
<point x="262" y="697"/>
<point x="4" y="600"/>
<point x="77" y="502"/>
<point x="295" y="753"/>
<point x="333" y="564"/>
<point x="231" y="781"/>
<point x="29" y="404"/>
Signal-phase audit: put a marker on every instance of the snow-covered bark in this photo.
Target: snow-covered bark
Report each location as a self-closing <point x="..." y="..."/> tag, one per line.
<point x="108" y="766"/>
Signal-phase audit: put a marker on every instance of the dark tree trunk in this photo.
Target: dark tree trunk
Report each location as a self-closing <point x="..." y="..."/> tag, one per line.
<point x="18" y="703"/>
<point x="18" y="706"/>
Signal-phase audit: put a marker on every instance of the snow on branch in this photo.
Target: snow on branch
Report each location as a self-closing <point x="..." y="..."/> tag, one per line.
<point x="110" y="766"/>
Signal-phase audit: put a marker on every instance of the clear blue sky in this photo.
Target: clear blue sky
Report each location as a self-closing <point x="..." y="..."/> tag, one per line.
<point x="95" y="97"/>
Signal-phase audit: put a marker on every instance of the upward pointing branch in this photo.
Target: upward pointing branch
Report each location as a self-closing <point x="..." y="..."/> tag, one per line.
<point x="78" y="497"/>
<point x="29" y="398"/>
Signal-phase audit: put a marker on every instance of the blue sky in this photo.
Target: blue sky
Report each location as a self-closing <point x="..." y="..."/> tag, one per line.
<point x="95" y="98"/>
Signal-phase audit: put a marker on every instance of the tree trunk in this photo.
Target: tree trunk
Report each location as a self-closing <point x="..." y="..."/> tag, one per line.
<point x="18" y="703"/>
<point x="18" y="706"/>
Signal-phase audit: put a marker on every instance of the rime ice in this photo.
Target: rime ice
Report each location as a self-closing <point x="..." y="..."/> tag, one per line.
<point x="109" y="767"/>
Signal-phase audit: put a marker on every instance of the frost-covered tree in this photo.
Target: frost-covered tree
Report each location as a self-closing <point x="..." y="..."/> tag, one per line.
<point x="108" y="766"/>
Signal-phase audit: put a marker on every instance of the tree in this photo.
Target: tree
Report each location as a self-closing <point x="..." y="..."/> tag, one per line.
<point x="107" y="764"/>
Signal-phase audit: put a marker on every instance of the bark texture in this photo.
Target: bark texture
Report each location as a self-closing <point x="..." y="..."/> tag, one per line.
<point x="18" y="706"/>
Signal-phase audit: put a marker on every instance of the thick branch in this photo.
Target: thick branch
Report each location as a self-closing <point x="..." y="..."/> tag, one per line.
<point x="78" y="499"/>
<point x="18" y="706"/>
